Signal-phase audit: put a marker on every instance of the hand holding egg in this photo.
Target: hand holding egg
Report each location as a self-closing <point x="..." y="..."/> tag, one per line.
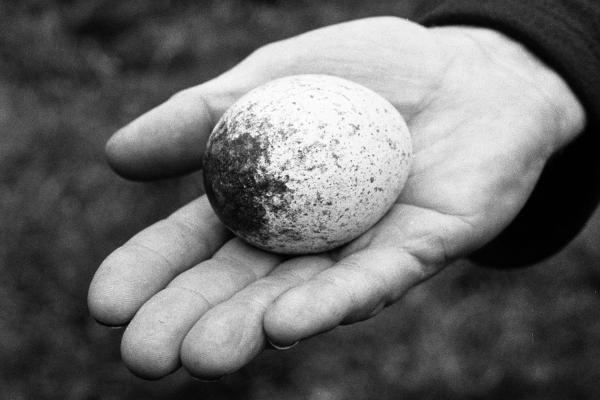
<point x="306" y="163"/>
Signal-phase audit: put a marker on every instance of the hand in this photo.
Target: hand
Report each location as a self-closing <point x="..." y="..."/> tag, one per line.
<point x="485" y="116"/>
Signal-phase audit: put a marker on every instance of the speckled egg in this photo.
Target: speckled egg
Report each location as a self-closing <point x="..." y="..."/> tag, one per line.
<point x="306" y="163"/>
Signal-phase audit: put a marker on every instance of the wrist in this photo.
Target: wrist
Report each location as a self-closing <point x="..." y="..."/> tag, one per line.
<point x="560" y="114"/>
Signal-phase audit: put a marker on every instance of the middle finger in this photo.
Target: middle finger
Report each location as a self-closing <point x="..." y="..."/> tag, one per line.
<point x="231" y="334"/>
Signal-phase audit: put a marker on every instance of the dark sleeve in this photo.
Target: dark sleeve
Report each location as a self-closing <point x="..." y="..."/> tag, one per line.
<point x="566" y="36"/>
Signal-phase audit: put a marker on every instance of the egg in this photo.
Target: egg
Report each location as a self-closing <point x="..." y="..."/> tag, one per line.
<point x="306" y="163"/>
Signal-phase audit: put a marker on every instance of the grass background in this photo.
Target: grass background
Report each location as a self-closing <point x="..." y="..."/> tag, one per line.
<point x="72" y="72"/>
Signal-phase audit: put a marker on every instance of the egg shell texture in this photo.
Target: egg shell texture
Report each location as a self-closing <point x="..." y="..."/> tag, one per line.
<point x="306" y="163"/>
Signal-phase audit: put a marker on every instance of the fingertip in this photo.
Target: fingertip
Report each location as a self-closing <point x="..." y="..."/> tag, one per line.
<point x="151" y="343"/>
<point x="166" y="141"/>
<point x="117" y="290"/>
<point x="199" y="369"/>
<point x="121" y="154"/>
<point x="202" y="355"/>
<point x="142" y="366"/>
<point x="105" y="308"/>
<point x="279" y="347"/>
<point x="105" y="313"/>
<point x="221" y="343"/>
<point x="293" y="317"/>
<point x="135" y="159"/>
<point x="146" y="358"/>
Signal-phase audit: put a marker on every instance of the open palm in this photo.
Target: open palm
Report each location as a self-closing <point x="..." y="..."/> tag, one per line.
<point x="484" y="115"/>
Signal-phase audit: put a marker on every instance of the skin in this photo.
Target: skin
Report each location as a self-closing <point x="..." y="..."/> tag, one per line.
<point x="485" y="116"/>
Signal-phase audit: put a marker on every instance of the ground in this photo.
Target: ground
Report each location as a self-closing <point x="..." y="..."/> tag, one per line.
<point x="71" y="72"/>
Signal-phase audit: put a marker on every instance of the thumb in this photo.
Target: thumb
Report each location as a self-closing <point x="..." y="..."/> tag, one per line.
<point x="171" y="138"/>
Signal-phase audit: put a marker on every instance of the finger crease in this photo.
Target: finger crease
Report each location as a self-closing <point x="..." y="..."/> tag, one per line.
<point x="201" y="240"/>
<point x="372" y="275"/>
<point x="352" y="298"/>
<point x="232" y="263"/>
<point x="196" y="294"/>
<point x="251" y="300"/>
<point x="422" y="267"/>
<point x="170" y="264"/>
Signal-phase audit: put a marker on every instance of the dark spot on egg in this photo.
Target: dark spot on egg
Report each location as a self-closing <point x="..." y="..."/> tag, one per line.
<point x="235" y="187"/>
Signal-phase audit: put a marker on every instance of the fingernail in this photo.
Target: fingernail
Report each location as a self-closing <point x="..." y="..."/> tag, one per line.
<point x="283" y="347"/>
<point x="114" y="328"/>
<point x="107" y="325"/>
<point x="204" y="380"/>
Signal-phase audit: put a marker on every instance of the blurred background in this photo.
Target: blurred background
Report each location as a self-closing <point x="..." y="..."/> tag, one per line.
<point x="72" y="72"/>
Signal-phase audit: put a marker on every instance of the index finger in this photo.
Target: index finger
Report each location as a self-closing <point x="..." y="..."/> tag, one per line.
<point x="151" y="259"/>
